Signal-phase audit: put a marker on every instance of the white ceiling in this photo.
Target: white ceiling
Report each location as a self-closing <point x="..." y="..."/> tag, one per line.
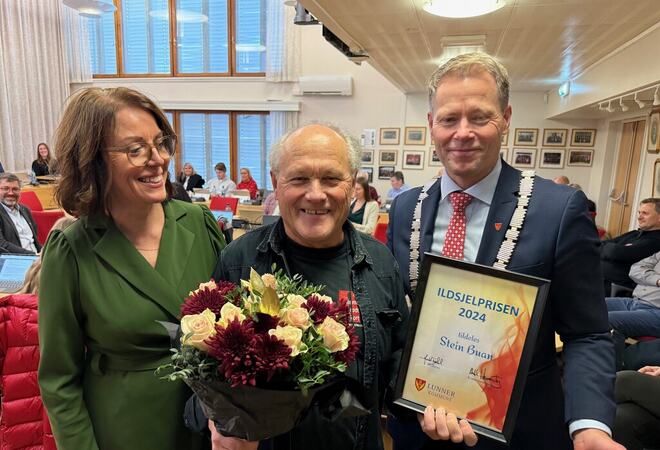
<point x="541" y="42"/>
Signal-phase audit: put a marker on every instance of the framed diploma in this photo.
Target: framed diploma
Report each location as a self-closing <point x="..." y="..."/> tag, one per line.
<point x="470" y="343"/>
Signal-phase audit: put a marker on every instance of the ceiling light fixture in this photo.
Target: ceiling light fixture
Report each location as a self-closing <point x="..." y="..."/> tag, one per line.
<point x="640" y="103"/>
<point x="624" y="108"/>
<point x="656" y="99"/>
<point x="601" y="107"/>
<point x="609" y="107"/>
<point x="461" y="9"/>
<point x="90" y="8"/>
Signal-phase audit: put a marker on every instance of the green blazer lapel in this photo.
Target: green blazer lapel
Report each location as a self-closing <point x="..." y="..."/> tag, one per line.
<point x="176" y="247"/>
<point x="117" y="251"/>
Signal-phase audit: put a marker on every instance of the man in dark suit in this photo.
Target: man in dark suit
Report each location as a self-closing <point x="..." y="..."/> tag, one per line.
<point x="18" y="232"/>
<point x="470" y="111"/>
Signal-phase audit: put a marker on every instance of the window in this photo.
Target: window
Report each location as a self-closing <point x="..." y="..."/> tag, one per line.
<point x="146" y="42"/>
<point x="206" y="138"/>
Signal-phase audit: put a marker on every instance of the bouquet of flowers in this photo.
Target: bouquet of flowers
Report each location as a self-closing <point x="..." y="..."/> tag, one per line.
<point x="259" y="354"/>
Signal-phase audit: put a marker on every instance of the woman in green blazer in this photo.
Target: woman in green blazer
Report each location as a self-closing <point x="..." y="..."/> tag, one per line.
<point x="108" y="279"/>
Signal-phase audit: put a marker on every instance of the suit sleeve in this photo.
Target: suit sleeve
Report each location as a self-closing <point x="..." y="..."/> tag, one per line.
<point x="6" y="246"/>
<point x="62" y="344"/>
<point x="643" y="272"/>
<point x="580" y="317"/>
<point x="629" y="252"/>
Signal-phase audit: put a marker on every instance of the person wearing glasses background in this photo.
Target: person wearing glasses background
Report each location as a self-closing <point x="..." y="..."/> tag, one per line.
<point x="18" y="231"/>
<point x="128" y="262"/>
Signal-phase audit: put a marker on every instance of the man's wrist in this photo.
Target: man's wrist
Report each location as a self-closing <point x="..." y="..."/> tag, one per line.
<point x="587" y="424"/>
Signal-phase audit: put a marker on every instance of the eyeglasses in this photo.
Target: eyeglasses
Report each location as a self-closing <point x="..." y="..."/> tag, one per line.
<point x="139" y="153"/>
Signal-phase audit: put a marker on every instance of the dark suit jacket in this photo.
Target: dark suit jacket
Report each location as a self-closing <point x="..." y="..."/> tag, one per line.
<point x="195" y="181"/>
<point x="558" y="242"/>
<point x="618" y="254"/>
<point x="9" y="240"/>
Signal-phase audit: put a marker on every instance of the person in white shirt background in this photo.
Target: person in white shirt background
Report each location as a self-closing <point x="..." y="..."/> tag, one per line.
<point x="222" y="185"/>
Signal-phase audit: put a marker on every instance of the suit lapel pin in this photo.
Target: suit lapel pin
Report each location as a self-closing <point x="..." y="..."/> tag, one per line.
<point x="498" y="226"/>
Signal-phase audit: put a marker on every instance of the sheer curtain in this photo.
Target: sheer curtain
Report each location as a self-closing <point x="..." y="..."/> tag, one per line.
<point x="78" y="56"/>
<point x="282" y="43"/>
<point x="280" y="123"/>
<point x="33" y="78"/>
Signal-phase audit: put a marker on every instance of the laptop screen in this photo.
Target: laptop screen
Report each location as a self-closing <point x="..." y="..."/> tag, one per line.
<point x="228" y="216"/>
<point x="13" y="269"/>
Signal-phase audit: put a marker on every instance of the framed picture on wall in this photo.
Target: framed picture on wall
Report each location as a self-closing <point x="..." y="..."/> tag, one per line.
<point x="413" y="159"/>
<point x="526" y="136"/>
<point x="656" y="179"/>
<point x="370" y="173"/>
<point x="552" y="158"/>
<point x="504" y="154"/>
<point x="555" y="137"/>
<point x="415" y="136"/>
<point x="581" y="157"/>
<point x="652" y="145"/>
<point x="524" y="158"/>
<point x="389" y="136"/>
<point x="505" y="138"/>
<point x="583" y="137"/>
<point x="385" y="172"/>
<point x="367" y="156"/>
<point x="388" y="156"/>
<point x="434" y="161"/>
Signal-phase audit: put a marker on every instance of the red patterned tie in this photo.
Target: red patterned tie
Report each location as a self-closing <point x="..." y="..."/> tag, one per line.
<point x="455" y="237"/>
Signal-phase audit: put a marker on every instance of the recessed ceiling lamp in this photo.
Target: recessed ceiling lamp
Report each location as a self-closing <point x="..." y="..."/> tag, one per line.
<point x="90" y="8"/>
<point x="656" y="99"/>
<point x="624" y="108"/>
<point x="640" y="103"/>
<point x="464" y="8"/>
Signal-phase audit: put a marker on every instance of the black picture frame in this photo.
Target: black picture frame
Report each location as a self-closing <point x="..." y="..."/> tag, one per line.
<point x="542" y="287"/>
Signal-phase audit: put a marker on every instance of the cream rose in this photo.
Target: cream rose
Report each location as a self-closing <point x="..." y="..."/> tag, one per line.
<point x="228" y="313"/>
<point x="196" y="328"/>
<point x="335" y="337"/>
<point x="209" y="284"/>
<point x="325" y="298"/>
<point x="295" y="300"/>
<point x="297" y="317"/>
<point x="269" y="280"/>
<point x="291" y="336"/>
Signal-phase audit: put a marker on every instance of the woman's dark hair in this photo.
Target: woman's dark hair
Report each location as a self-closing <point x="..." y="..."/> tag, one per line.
<point x="365" y="187"/>
<point x="86" y="126"/>
<point x="39" y="158"/>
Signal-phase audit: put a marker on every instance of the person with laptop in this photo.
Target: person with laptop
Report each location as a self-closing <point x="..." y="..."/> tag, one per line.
<point x="222" y="185"/>
<point x="18" y="231"/>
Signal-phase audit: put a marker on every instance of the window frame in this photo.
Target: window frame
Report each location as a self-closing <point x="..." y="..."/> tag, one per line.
<point x="231" y="44"/>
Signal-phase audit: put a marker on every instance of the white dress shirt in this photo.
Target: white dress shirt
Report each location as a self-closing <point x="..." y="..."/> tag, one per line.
<point x="22" y="228"/>
<point x="221" y="187"/>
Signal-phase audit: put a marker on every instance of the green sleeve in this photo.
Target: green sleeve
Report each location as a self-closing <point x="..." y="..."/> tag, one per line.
<point x="216" y="239"/>
<point x="62" y="343"/>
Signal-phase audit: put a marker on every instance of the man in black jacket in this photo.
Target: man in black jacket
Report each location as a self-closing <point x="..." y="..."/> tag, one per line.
<point x="18" y="231"/>
<point x="619" y="254"/>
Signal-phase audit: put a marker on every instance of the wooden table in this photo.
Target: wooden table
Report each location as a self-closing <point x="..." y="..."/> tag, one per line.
<point x="45" y="194"/>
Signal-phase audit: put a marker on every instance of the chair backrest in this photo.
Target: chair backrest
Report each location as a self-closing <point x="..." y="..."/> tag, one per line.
<point x="380" y="232"/>
<point x="221" y="203"/>
<point x="30" y="199"/>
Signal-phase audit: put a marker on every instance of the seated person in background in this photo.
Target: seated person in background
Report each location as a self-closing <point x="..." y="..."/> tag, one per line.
<point x="222" y="185"/>
<point x="364" y="211"/>
<point x="562" y="179"/>
<point x="189" y="178"/>
<point x="602" y="232"/>
<point x="44" y="163"/>
<point x="270" y="205"/>
<point x="2" y="169"/>
<point x="640" y="315"/>
<point x="618" y="254"/>
<point x="18" y="231"/>
<point x="180" y="193"/>
<point x="398" y="185"/>
<point x="23" y="423"/>
<point x="372" y="190"/>
<point x="247" y="182"/>
<point x="637" y="394"/>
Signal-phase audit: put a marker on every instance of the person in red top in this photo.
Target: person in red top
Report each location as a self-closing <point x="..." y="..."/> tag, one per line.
<point x="247" y="182"/>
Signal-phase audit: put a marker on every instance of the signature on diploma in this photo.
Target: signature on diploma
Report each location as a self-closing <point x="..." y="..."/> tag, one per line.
<point x="432" y="361"/>
<point x="492" y="381"/>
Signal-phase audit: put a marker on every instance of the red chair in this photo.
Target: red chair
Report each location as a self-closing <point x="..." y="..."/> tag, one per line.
<point x="380" y="232"/>
<point x="221" y="203"/>
<point x="44" y="219"/>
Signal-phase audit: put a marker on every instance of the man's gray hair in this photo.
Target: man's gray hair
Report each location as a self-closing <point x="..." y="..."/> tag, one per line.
<point x="352" y="145"/>
<point x="9" y="178"/>
<point x="471" y="64"/>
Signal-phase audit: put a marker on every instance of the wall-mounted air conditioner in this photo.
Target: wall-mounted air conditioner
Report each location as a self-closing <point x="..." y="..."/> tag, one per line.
<point x="324" y="85"/>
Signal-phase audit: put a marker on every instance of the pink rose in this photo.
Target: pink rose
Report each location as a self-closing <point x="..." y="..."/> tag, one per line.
<point x="269" y="280"/>
<point x="335" y="337"/>
<point x="297" y="317"/>
<point x="291" y="336"/>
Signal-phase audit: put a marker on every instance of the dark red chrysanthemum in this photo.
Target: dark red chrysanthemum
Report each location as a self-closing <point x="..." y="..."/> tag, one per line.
<point x="234" y="348"/>
<point x="265" y="322"/>
<point x="348" y="356"/>
<point x="340" y="311"/>
<point x="318" y="309"/>
<point x="271" y="355"/>
<point x="212" y="299"/>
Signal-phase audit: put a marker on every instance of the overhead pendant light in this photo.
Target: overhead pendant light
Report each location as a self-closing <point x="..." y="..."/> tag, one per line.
<point x="640" y="103"/>
<point x="90" y="8"/>
<point x="656" y="99"/>
<point x="609" y="108"/>
<point x="624" y="108"/>
<point x="461" y="9"/>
